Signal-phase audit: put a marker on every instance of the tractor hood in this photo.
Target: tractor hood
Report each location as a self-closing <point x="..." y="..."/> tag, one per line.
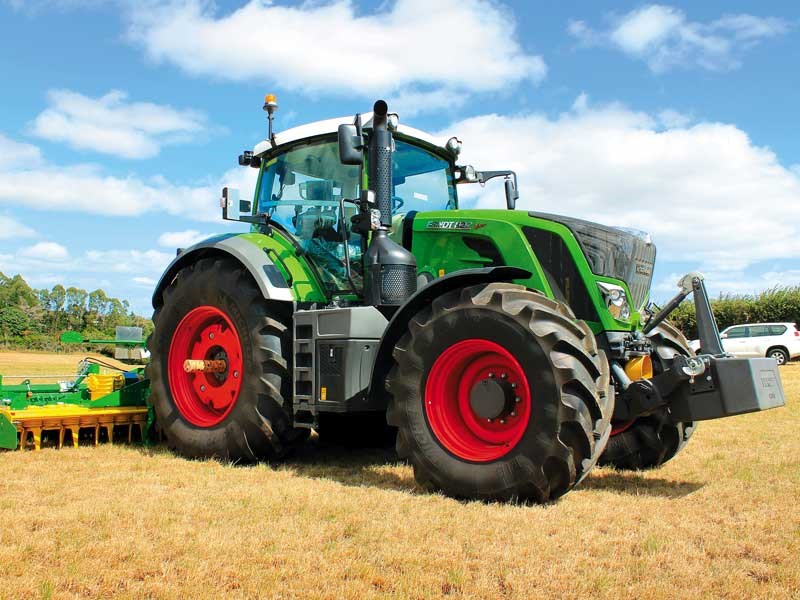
<point x="614" y="252"/>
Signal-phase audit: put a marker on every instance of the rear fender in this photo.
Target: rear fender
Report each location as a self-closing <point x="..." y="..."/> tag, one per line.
<point x="266" y="275"/>
<point x="399" y="322"/>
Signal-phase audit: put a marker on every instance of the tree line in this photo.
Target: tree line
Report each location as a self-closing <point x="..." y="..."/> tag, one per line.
<point x="34" y="318"/>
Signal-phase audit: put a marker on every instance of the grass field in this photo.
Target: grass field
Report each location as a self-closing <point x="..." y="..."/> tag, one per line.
<point x="721" y="520"/>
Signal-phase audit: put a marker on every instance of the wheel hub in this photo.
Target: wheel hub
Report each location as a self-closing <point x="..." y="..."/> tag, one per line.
<point x="492" y="398"/>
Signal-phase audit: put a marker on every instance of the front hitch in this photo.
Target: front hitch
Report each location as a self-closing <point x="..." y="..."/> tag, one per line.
<point x="711" y="385"/>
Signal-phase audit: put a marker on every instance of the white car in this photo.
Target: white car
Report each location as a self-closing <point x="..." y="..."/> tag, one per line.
<point x="780" y="341"/>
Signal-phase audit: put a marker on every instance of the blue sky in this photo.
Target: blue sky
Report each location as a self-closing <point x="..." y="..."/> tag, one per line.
<point x="121" y="121"/>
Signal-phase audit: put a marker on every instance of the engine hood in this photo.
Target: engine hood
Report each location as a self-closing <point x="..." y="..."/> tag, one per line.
<point x="614" y="252"/>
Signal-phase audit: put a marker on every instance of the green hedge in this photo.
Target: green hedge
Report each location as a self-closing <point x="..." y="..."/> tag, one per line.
<point x="780" y="304"/>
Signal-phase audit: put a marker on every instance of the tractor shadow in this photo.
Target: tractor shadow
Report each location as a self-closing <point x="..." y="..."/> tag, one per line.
<point x="637" y="484"/>
<point x="377" y="467"/>
<point x="380" y="467"/>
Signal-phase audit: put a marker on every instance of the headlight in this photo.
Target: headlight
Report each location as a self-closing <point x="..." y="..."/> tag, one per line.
<point x="616" y="300"/>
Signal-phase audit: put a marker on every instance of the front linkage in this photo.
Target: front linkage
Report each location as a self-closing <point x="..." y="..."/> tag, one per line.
<point x="711" y="385"/>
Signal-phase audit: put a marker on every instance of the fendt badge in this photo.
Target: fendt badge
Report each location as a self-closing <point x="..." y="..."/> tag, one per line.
<point x="449" y="225"/>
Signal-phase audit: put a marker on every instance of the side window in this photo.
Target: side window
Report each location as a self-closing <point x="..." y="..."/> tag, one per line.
<point x="759" y="331"/>
<point x="737" y="332"/>
<point x="777" y="329"/>
<point x="421" y="181"/>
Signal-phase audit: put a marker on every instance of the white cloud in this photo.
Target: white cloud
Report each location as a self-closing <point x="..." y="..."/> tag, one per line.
<point x="15" y="154"/>
<point x="406" y="47"/>
<point x="708" y="195"/>
<point x="664" y="38"/>
<point x="47" y="251"/>
<point x="89" y="189"/>
<point x="148" y="282"/>
<point x="11" y="229"/>
<point x="113" y="125"/>
<point x="181" y="239"/>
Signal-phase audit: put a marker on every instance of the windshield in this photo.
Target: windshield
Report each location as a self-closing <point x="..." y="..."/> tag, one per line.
<point x="421" y="181"/>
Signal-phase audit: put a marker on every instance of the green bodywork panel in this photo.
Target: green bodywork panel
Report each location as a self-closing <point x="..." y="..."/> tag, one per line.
<point x="8" y="434"/>
<point x="295" y="269"/>
<point x="441" y="251"/>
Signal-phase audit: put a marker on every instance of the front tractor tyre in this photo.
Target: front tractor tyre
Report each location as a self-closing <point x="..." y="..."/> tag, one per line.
<point x="498" y="392"/>
<point x="650" y="441"/>
<point x="213" y="311"/>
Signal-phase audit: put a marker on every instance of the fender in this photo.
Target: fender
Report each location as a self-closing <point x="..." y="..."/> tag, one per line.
<point x="264" y="272"/>
<point x="425" y="295"/>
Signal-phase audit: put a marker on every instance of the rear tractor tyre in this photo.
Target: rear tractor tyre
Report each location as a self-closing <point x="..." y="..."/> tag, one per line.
<point x="213" y="310"/>
<point x="499" y="393"/>
<point x="650" y="441"/>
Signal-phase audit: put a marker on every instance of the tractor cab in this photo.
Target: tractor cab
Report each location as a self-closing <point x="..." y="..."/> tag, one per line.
<point x="306" y="191"/>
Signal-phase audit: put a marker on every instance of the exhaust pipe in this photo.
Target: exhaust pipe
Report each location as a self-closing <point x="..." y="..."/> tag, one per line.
<point x="391" y="270"/>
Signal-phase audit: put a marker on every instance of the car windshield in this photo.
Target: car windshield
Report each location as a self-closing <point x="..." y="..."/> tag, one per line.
<point x="301" y="191"/>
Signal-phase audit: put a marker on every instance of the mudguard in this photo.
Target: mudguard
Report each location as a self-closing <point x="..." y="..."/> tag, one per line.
<point x="425" y="295"/>
<point x="264" y="272"/>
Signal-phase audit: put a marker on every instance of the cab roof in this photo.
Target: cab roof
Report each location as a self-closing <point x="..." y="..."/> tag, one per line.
<point x="331" y="126"/>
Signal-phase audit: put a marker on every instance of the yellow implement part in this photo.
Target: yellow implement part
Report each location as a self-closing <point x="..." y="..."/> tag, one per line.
<point x="68" y="417"/>
<point x="103" y="385"/>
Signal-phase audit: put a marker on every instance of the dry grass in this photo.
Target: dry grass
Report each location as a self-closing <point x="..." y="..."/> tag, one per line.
<point x="721" y="520"/>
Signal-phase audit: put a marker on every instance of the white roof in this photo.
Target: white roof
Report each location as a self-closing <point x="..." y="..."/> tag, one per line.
<point x="332" y="126"/>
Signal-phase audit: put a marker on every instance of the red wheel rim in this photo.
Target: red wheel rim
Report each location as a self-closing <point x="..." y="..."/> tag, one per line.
<point x="621" y="427"/>
<point x="450" y="412"/>
<point x="205" y="399"/>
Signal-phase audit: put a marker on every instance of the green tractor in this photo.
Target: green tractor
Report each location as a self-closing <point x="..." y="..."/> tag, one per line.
<point x="510" y="350"/>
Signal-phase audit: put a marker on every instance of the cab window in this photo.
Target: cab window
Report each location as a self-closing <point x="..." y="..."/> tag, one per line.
<point x="777" y="329"/>
<point x="759" y="331"/>
<point x="421" y="181"/>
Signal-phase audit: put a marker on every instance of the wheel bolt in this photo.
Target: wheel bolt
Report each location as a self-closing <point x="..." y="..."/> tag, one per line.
<point x="516" y="400"/>
<point x="491" y="375"/>
<point x="202" y="388"/>
<point x="513" y="386"/>
<point x="488" y="420"/>
<point x="504" y="376"/>
<point x="502" y="421"/>
<point x="513" y="414"/>
<point x="236" y="373"/>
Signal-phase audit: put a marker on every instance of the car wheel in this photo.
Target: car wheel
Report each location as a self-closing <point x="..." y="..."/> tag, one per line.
<point x="779" y="354"/>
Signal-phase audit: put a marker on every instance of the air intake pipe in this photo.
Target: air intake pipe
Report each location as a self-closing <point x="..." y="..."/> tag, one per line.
<point x="391" y="270"/>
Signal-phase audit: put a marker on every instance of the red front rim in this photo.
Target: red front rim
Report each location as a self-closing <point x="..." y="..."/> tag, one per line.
<point x="453" y="417"/>
<point x="205" y="399"/>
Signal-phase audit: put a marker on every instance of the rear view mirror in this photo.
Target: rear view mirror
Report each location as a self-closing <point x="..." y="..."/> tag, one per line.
<point x="233" y="207"/>
<point x="351" y="145"/>
<point x="511" y="193"/>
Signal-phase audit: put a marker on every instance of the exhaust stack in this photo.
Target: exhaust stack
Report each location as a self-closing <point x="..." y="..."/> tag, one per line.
<point x="391" y="270"/>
